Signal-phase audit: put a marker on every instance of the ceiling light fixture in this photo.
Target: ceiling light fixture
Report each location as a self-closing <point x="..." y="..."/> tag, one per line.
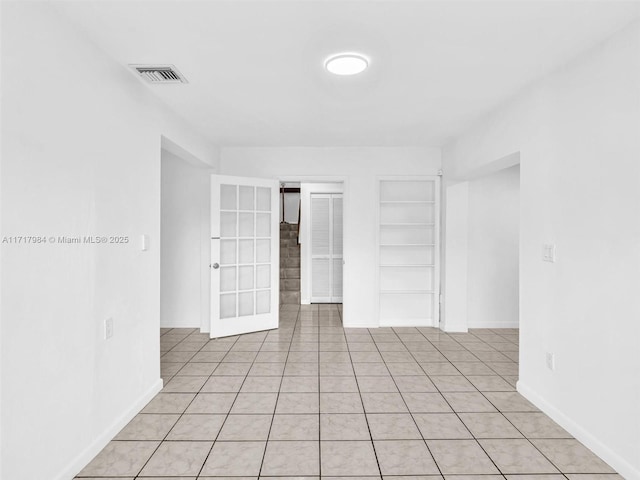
<point x="346" y="63"/>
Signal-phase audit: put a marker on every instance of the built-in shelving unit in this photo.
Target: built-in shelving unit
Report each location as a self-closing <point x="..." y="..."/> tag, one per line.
<point x="408" y="251"/>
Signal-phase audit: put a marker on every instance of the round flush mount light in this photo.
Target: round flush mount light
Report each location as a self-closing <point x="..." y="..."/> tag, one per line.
<point x="346" y="64"/>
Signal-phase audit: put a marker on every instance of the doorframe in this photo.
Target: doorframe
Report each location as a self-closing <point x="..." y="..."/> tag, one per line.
<point x="168" y="145"/>
<point x="346" y="219"/>
<point x="455" y="282"/>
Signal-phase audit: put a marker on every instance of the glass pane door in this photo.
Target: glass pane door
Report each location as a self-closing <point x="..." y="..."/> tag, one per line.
<point x="244" y="254"/>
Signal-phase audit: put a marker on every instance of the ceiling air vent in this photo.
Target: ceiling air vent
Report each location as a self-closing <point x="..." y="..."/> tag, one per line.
<point x="159" y="73"/>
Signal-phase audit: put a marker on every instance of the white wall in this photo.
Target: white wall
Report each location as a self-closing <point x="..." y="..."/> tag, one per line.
<point x="456" y="259"/>
<point x="358" y="167"/>
<point x="492" y="276"/>
<point x="185" y="243"/>
<point x="80" y="156"/>
<point x="578" y="134"/>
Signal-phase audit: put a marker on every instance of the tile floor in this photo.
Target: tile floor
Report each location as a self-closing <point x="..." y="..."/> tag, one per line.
<point x="313" y="399"/>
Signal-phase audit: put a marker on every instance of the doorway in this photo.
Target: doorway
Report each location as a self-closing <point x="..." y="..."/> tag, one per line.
<point x="311" y="239"/>
<point x="482" y="251"/>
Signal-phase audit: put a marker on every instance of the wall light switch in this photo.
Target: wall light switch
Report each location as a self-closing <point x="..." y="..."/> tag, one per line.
<point x="549" y="252"/>
<point x="108" y="328"/>
<point x="551" y="361"/>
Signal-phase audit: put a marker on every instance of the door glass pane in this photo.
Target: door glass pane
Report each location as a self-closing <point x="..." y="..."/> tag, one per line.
<point x="246" y="198"/>
<point x="246" y="251"/>
<point x="263" y="202"/>
<point x="228" y="200"/>
<point x="227" y="279"/>
<point x="245" y="304"/>
<point x="263" y="225"/>
<point x="263" y="276"/>
<point x="228" y="224"/>
<point x="228" y="305"/>
<point x="246" y="225"/>
<point x="227" y="252"/>
<point x="263" y="251"/>
<point x="245" y="282"/>
<point x="263" y="301"/>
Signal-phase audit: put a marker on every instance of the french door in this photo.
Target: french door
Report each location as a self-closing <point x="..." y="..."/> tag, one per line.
<point x="244" y="255"/>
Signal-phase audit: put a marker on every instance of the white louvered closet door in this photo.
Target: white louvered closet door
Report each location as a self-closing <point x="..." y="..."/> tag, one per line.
<point x="326" y="248"/>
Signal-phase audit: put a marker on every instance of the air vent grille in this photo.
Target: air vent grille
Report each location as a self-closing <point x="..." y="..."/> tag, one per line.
<point x="159" y="73"/>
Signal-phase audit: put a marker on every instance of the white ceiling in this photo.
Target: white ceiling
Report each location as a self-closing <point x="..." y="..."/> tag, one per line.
<point x="256" y="75"/>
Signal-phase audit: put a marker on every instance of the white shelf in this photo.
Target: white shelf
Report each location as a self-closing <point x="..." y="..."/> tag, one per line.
<point x="406" y="322"/>
<point x="407" y="224"/>
<point x="406" y="292"/>
<point x="407" y="245"/>
<point x="384" y="202"/>
<point x="407" y="265"/>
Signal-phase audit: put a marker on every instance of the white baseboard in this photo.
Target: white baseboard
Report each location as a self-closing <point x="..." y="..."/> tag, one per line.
<point x="194" y="324"/>
<point x="494" y="325"/>
<point x="622" y="466"/>
<point x="360" y="325"/>
<point x="455" y="328"/>
<point x="407" y="322"/>
<point x="83" y="459"/>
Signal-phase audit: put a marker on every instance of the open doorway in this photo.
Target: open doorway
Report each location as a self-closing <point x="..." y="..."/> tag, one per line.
<point x="311" y="239"/>
<point x="290" y="243"/>
<point x="482" y="251"/>
<point x="493" y="250"/>
<point x="184" y="239"/>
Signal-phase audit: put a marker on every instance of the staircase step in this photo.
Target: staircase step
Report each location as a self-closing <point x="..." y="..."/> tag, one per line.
<point x="289" y="273"/>
<point x="290" y="262"/>
<point x="290" y="285"/>
<point x="289" y="227"/>
<point x="290" y="298"/>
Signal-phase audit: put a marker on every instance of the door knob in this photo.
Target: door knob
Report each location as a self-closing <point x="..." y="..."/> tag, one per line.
<point x="215" y="266"/>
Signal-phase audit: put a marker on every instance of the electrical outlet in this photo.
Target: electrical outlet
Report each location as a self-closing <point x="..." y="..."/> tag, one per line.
<point x="108" y="328"/>
<point x="551" y="361"/>
<point x="549" y="252"/>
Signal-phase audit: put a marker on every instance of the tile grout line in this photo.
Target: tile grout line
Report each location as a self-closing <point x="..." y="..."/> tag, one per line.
<point x="401" y="337"/>
<point x="405" y="403"/>
<point x="492" y="404"/>
<point x="184" y="411"/>
<point x="446" y="400"/>
<point x="232" y="403"/>
<point x="319" y="404"/>
<point x="275" y="408"/>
